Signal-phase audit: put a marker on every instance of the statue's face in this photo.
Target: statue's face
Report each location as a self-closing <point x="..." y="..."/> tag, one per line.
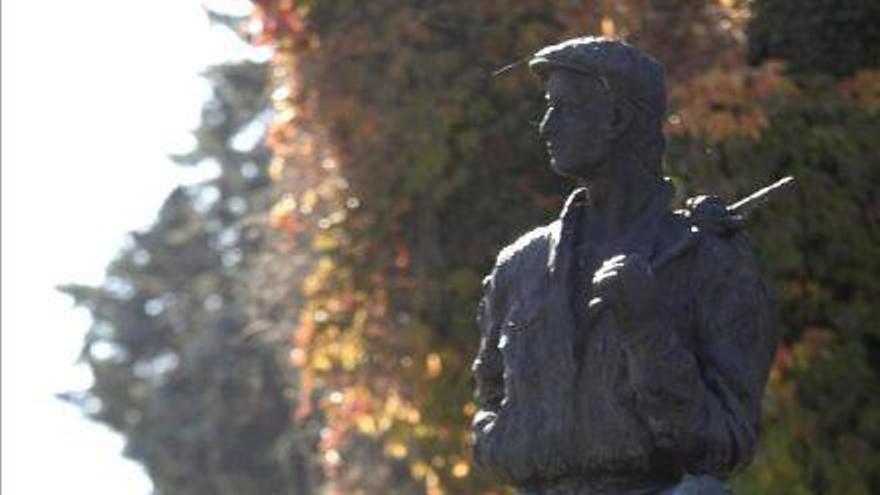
<point x="578" y="124"/>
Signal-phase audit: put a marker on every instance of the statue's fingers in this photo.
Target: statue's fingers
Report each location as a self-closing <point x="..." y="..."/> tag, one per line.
<point x="606" y="288"/>
<point x="611" y="267"/>
<point x="602" y="277"/>
<point x="604" y="270"/>
<point x="614" y="259"/>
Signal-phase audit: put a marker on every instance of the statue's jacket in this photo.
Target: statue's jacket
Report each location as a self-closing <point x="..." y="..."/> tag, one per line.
<point x="565" y="397"/>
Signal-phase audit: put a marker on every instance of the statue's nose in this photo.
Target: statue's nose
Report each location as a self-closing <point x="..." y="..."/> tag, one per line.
<point x="544" y="127"/>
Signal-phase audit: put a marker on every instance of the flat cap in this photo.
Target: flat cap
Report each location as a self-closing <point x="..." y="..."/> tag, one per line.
<point x="624" y="69"/>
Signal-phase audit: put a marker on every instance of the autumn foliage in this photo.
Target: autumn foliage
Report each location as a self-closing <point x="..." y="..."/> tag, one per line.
<point x="404" y="165"/>
<point x="402" y="161"/>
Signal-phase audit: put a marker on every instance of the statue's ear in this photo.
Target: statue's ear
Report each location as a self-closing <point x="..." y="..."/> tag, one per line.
<point x="624" y="113"/>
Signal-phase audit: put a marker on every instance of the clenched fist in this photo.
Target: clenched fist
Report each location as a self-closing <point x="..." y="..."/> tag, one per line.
<point x="625" y="284"/>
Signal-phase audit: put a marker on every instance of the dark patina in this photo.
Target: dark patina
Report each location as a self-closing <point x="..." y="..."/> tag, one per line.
<point x="625" y="346"/>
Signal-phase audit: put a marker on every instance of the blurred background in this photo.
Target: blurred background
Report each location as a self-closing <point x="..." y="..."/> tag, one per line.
<point x="243" y="241"/>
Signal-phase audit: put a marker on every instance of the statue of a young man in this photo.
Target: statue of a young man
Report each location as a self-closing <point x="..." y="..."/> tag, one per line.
<point x="602" y="371"/>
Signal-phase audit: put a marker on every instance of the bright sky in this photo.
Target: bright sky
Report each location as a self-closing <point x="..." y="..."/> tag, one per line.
<point x="95" y="94"/>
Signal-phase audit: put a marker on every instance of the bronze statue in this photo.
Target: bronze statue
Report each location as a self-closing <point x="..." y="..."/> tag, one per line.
<point x="624" y="347"/>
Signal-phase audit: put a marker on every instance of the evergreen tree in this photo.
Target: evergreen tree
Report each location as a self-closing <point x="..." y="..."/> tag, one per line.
<point x="821" y="245"/>
<point x="832" y="37"/>
<point x="197" y="385"/>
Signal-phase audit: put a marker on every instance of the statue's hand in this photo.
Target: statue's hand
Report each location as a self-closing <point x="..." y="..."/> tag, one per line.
<point x="626" y="285"/>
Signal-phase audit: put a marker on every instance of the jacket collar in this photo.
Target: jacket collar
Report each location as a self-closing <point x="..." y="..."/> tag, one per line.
<point x="639" y="234"/>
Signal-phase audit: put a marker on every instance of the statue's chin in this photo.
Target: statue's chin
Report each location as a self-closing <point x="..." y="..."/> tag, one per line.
<point x="572" y="171"/>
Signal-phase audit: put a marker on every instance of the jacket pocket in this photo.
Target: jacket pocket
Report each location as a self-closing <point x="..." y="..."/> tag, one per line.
<point x="517" y="336"/>
<point x="534" y="413"/>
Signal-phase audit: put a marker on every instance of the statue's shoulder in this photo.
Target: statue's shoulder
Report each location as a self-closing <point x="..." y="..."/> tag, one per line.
<point x="721" y="245"/>
<point x="529" y="251"/>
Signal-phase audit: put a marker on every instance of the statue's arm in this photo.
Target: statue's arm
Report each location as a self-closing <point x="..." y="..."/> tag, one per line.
<point x="488" y="366"/>
<point x="702" y="404"/>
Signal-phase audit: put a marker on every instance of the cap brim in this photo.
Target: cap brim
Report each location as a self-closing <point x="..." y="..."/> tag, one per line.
<point x="542" y="66"/>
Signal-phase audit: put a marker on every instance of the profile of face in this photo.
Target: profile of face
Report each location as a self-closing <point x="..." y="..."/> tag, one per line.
<point x="578" y="125"/>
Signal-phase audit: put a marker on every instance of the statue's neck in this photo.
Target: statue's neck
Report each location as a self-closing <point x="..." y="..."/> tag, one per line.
<point x="620" y="192"/>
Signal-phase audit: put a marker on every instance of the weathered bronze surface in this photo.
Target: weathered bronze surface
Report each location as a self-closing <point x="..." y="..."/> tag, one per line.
<point x="624" y="347"/>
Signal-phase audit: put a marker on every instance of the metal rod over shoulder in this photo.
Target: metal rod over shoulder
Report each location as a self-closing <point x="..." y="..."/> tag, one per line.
<point x="760" y="196"/>
<point x="738" y="211"/>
